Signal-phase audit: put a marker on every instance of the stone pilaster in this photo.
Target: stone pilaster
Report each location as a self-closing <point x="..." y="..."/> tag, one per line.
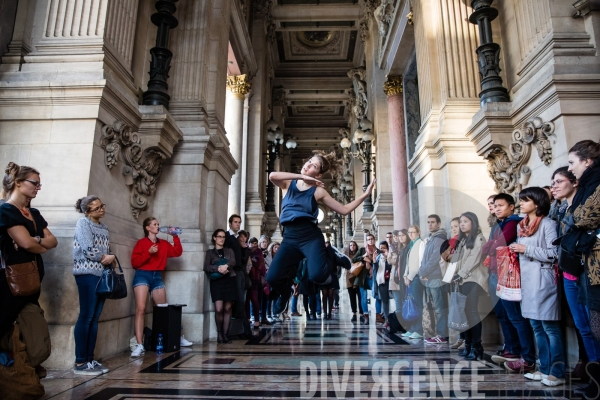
<point x="399" y="170"/>
<point x="237" y="88"/>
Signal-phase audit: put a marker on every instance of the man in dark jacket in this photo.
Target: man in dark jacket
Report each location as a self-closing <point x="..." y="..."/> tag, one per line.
<point x="431" y="276"/>
<point x="231" y="241"/>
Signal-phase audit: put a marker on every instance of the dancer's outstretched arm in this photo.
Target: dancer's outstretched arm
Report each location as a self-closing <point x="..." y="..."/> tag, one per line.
<point x="323" y="196"/>
<point x="282" y="179"/>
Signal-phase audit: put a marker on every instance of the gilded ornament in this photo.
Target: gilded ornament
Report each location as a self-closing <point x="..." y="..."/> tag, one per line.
<point x="393" y="85"/>
<point x="238" y="84"/>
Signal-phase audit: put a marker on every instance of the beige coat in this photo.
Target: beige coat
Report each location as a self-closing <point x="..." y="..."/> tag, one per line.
<point x="470" y="263"/>
<point x="414" y="259"/>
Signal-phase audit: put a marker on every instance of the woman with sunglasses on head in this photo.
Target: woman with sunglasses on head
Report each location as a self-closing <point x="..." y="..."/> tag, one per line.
<point x="91" y="253"/>
<point x="149" y="259"/>
<point x="24" y="236"/>
<point x="302" y="238"/>
<point x="218" y="265"/>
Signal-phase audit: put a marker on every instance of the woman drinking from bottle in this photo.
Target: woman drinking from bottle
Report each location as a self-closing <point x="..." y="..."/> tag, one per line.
<point x="149" y="258"/>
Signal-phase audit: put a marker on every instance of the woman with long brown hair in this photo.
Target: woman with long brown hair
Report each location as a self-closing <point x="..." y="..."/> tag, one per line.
<point x="302" y="238"/>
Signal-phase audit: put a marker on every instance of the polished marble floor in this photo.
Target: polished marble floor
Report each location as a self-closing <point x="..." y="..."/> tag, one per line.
<point x="304" y="359"/>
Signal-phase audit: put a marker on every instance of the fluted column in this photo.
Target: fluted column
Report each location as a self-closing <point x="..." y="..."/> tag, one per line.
<point x="237" y="88"/>
<point x="399" y="170"/>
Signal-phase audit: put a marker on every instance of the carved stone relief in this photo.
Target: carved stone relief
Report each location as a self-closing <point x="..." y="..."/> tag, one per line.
<point x="359" y="83"/>
<point x="363" y="25"/>
<point x="142" y="166"/>
<point x="384" y="14"/>
<point x="262" y="10"/>
<point x="510" y="172"/>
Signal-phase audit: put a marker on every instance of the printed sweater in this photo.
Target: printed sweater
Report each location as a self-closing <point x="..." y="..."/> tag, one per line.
<point x="142" y="259"/>
<point x="91" y="242"/>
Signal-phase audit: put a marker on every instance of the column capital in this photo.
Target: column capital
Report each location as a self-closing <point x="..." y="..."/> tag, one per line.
<point x="393" y="85"/>
<point x="238" y="84"/>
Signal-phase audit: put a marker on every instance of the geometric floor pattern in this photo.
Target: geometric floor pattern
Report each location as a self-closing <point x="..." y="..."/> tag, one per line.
<point x="304" y="359"/>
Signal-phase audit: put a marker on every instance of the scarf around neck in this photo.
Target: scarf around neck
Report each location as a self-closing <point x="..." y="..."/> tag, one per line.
<point x="529" y="227"/>
<point x="589" y="181"/>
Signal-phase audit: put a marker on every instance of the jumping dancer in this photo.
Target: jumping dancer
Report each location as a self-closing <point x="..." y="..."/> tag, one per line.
<point x="302" y="238"/>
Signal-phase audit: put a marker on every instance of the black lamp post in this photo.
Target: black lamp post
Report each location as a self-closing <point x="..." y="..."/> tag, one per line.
<point x="274" y="143"/>
<point x="488" y="53"/>
<point x="362" y="139"/>
<point x="156" y="95"/>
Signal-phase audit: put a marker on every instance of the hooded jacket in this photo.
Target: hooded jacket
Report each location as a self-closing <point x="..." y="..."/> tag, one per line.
<point x="430" y="266"/>
<point x="502" y="234"/>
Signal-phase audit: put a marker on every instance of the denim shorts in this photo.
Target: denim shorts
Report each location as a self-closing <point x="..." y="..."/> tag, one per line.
<point x="152" y="279"/>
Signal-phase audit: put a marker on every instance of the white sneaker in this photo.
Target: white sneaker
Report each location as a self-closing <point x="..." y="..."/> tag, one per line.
<point x="183" y="342"/>
<point x="99" y="366"/>
<point x="535" y="376"/>
<point x="415" y="335"/>
<point x="406" y="334"/>
<point x="139" y="350"/>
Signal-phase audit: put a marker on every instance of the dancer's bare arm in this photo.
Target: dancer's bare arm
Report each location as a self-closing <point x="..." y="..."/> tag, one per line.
<point x="323" y="196"/>
<point x="282" y="179"/>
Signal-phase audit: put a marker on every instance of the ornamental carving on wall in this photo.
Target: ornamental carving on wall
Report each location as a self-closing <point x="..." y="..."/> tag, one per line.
<point x="509" y="171"/>
<point x="359" y="83"/>
<point x="142" y="167"/>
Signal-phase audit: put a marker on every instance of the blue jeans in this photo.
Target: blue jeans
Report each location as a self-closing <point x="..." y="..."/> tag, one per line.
<point x="440" y="306"/>
<point x="294" y="304"/>
<point x="581" y="317"/>
<point x="364" y="293"/>
<point x="550" y="345"/>
<point x="523" y="328"/>
<point x="416" y="289"/>
<point x="511" y="336"/>
<point x="397" y="298"/>
<point x="86" y="328"/>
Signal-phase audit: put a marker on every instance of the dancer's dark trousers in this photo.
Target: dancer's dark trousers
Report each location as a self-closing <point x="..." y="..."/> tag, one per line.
<point x="301" y="239"/>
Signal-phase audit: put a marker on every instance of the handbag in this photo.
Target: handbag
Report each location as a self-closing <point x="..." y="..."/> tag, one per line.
<point x="356" y="268"/>
<point x="409" y="307"/>
<point x="428" y="318"/>
<point x="569" y="259"/>
<point x="215" y="276"/>
<point x="457" y="317"/>
<point x="23" y="279"/>
<point x="509" y="275"/>
<point x="111" y="284"/>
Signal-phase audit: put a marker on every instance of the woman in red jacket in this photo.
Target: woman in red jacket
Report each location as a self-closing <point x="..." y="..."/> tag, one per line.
<point x="149" y="258"/>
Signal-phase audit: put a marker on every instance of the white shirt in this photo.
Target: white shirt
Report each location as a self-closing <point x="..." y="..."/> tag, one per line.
<point x="234" y="234"/>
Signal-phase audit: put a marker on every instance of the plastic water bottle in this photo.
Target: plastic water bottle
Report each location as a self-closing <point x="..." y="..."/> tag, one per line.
<point x="159" y="345"/>
<point x="173" y="230"/>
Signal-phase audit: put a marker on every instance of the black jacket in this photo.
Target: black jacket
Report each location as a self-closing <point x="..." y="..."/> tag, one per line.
<point x="232" y="243"/>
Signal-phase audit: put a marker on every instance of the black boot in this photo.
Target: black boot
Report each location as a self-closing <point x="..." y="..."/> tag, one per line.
<point x="475" y="354"/>
<point x="592" y="390"/>
<point x="466" y="351"/>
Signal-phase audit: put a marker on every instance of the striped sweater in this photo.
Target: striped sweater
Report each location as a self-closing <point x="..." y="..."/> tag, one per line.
<point x="91" y="242"/>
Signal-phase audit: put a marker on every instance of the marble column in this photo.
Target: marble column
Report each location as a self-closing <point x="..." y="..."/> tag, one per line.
<point x="399" y="170"/>
<point x="237" y="87"/>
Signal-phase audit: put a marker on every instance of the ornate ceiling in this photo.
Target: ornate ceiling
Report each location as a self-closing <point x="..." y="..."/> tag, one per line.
<point x="316" y="43"/>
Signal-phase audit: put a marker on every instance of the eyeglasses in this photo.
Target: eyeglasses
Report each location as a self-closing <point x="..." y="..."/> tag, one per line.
<point x="557" y="182"/>
<point x="34" y="183"/>
<point x="100" y="207"/>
